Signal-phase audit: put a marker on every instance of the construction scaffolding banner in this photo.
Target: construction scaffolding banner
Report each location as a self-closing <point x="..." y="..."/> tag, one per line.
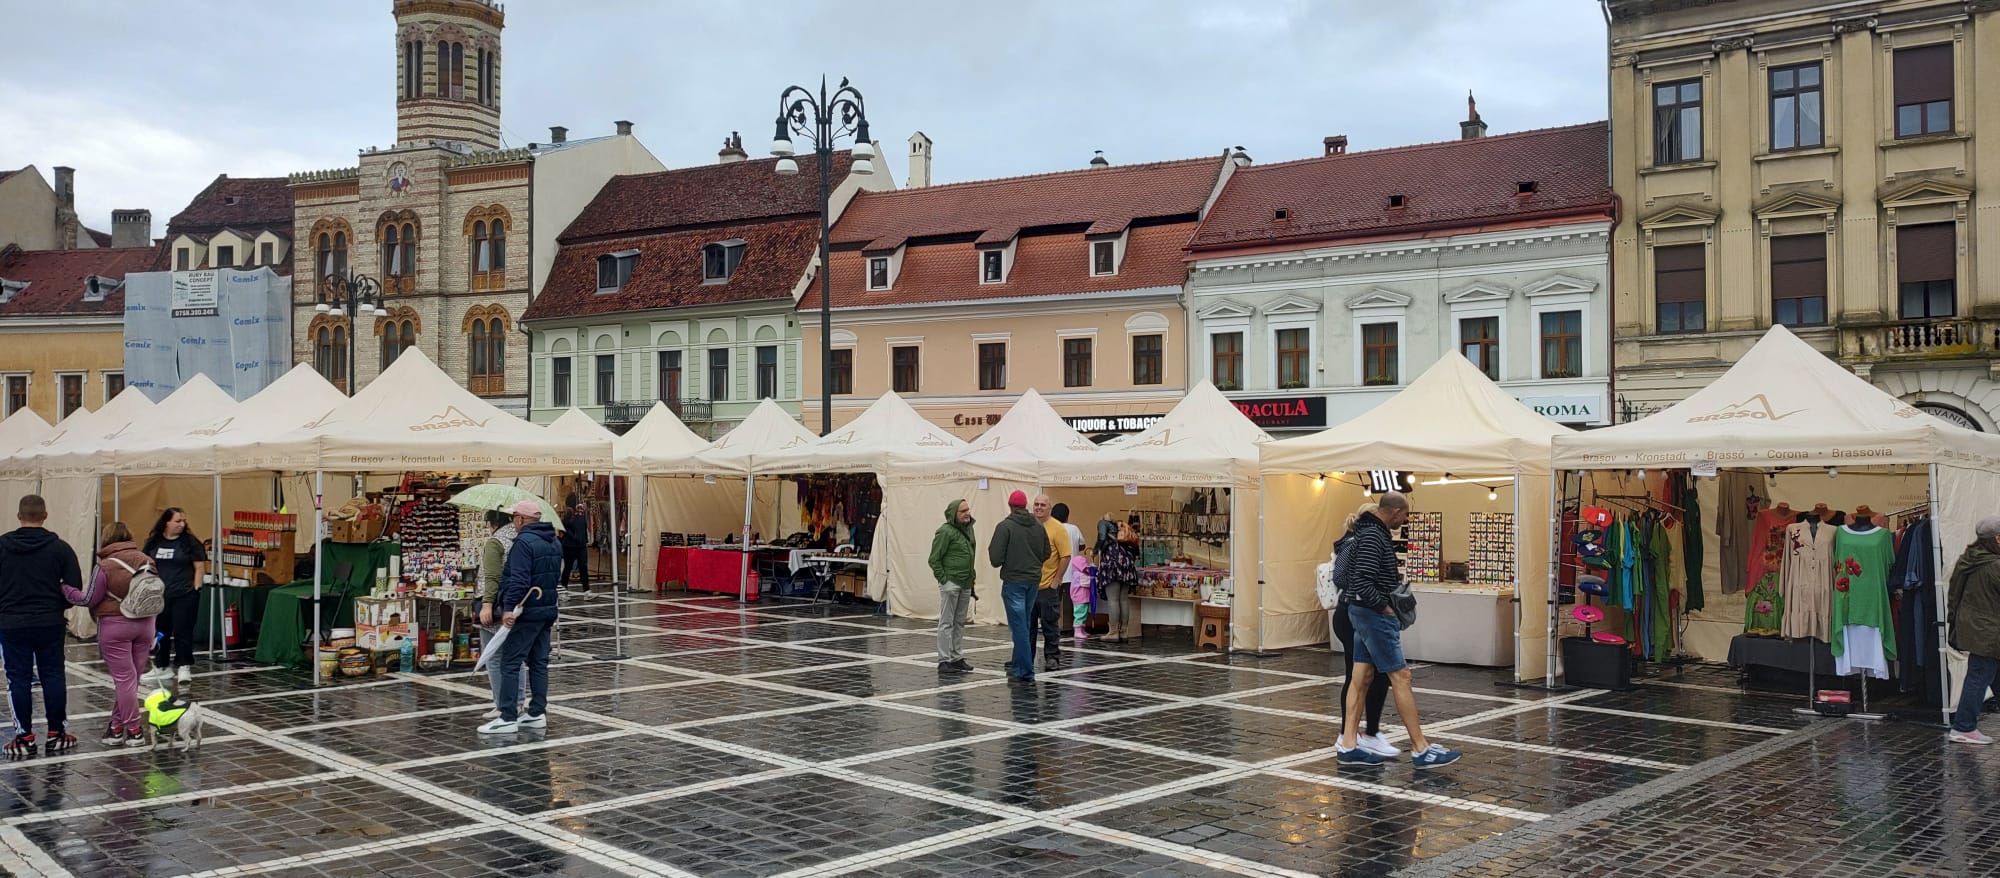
<point x="233" y="326"/>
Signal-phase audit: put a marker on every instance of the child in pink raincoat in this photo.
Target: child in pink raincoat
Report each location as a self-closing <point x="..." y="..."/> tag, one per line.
<point x="1081" y="590"/>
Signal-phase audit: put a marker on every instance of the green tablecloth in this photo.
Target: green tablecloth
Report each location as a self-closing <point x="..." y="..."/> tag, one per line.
<point x="287" y="614"/>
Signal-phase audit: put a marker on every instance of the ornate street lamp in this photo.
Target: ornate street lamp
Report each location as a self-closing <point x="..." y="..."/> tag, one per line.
<point x="355" y="295"/>
<point x="823" y="119"/>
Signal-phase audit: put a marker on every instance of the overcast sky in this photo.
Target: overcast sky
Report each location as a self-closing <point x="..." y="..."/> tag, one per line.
<point x="149" y="101"/>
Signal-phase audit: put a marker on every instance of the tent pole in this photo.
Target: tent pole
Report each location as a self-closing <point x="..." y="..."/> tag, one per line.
<point x="1555" y="573"/>
<point x="117" y="496"/>
<point x="214" y="579"/>
<point x="1260" y="651"/>
<point x="1938" y="594"/>
<point x="319" y="564"/>
<point x="743" y="575"/>
<point x="1519" y="615"/>
<point x="617" y="624"/>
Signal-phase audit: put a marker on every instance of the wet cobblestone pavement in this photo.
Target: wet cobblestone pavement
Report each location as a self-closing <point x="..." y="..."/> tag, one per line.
<point x="812" y="740"/>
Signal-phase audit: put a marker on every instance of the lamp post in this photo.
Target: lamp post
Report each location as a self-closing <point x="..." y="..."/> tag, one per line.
<point x="355" y="295"/>
<point x="822" y="119"/>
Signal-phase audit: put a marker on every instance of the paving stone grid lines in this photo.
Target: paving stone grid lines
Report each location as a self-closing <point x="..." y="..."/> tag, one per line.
<point x="814" y="740"/>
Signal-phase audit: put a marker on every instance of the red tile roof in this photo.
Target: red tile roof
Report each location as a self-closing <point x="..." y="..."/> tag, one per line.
<point x="702" y="195"/>
<point x="669" y="271"/>
<point x="56" y="279"/>
<point x="246" y="203"/>
<point x="1454" y="183"/>
<point x="1044" y="265"/>
<point x="1116" y="193"/>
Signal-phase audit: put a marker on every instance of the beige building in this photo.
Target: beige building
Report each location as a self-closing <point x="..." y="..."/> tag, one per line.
<point x="37" y="216"/>
<point x="457" y="229"/>
<point x="961" y="297"/>
<point x="62" y="338"/>
<point x="1811" y="164"/>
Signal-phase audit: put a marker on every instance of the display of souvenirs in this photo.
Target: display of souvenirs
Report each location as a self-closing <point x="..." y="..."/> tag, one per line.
<point x="1491" y="558"/>
<point x="1180" y="583"/>
<point x="1424" y="533"/>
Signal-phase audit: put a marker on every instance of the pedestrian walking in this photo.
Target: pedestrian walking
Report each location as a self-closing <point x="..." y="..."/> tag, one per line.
<point x="492" y="563"/>
<point x="575" y="544"/>
<point x="35" y="564"/>
<point x="178" y="557"/>
<point x="1369" y="579"/>
<point x="1973" y="623"/>
<point x="1343" y="629"/>
<point x="528" y="595"/>
<point x="951" y="563"/>
<point x="124" y="642"/>
<point x="1049" y="599"/>
<point x="1020" y="548"/>
<point x="1060" y="512"/>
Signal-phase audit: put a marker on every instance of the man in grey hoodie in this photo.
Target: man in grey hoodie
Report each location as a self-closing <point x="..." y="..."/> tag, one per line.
<point x="1020" y="546"/>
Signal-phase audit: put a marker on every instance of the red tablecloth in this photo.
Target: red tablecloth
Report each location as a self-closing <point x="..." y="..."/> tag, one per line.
<point x="673" y="566"/>
<point x="718" y="570"/>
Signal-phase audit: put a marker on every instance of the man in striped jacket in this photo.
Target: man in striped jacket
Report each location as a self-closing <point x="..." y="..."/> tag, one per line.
<point x="1370" y="581"/>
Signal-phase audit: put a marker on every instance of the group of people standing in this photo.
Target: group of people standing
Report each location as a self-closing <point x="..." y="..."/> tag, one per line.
<point x="1042" y="559"/>
<point x="41" y="578"/>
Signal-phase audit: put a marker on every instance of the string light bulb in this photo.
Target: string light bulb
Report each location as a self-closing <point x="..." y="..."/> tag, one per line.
<point x="1492" y="494"/>
<point x="1833" y="472"/>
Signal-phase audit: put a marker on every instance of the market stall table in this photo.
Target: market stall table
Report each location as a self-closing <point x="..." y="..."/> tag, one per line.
<point x="1462" y="624"/>
<point x="287" y="620"/>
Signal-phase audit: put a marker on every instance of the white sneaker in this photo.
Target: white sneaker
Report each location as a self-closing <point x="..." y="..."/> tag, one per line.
<point x="500" y="727"/>
<point x="156" y="677"/>
<point x="491" y="713"/>
<point x="1378" y="745"/>
<point x="184" y="674"/>
<point x="535" y="721"/>
<point x="1972" y="737"/>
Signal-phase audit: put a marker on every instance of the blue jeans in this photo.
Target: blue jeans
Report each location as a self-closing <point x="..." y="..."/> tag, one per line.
<point x="1019" y="599"/>
<point x="36" y="649"/>
<point x="1378" y="639"/>
<point x="529" y="646"/>
<point x="1979" y="673"/>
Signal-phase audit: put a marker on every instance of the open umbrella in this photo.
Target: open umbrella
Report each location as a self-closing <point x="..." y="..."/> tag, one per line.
<point x="502" y="498"/>
<point x="491" y="647"/>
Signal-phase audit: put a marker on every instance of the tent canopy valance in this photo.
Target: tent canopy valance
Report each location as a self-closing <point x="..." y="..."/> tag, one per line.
<point x="1451" y="419"/>
<point x="1783" y="404"/>
<point x="658" y="442"/>
<point x="1204" y="441"/>
<point x="79" y="431"/>
<point x="196" y="401"/>
<point x="1030" y="442"/>
<point x="887" y="435"/>
<point x="225" y="442"/>
<point x="744" y="450"/>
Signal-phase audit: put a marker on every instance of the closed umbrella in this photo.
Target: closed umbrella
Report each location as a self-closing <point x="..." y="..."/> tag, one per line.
<point x="491" y="648"/>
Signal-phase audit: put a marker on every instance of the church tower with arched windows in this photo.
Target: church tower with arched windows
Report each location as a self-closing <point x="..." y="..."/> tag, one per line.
<point x="448" y="72"/>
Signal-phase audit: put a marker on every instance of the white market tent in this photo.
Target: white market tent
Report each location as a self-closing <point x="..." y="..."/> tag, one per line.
<point x="73" y="509"/>
<point x="1451" y="419"/>
<point x="1785" y="404"/>
<point x="196" y="401"/>
<point x="886" y="437"/>
<point x="742" y="453"/>
<point x="577" y="425"/>
<point x="660" y="441"/>
<point x="23" y="429"/>
<point x="298" y="399"/>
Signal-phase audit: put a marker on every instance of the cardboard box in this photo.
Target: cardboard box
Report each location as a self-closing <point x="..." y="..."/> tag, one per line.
<point x="362" y="530"/>
<point x="849" y="583"/>
<point x="384" y="623"/>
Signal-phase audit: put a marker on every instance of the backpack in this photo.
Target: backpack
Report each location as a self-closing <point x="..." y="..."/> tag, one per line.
<point x="146" y="596"/>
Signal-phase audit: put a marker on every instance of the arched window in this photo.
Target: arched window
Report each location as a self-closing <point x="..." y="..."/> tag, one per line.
<point x="443" y="65"/>
<point x="323" y="255"/>
<point x="397" y="336"/>
<point x="478" y="352"/>
<point x="486" y="335"/>
<point x="486" y="247"/>
<point x="392" y="253"/>
<point x="499" y="244"/>
<point x="409" y="259"/>
<point x="482" y="252"/>
<point x="329" y="335"/>
<point x="397" y="232"/>
<point x="458" y="70"/>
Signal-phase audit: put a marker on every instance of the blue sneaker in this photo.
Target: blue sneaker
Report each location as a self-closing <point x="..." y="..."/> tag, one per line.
<point x="1435" y="756"/>
<point x="1356" y="756"/>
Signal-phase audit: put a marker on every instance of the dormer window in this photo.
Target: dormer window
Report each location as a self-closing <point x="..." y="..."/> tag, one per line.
<point x="719" y="260"/>
<point x="992" y="266"/>
<point x="1525" y="187"/>
<point x="95" y="288"/>
<point x="10" y="288"/>
<point x="1281" y="214"/>
<point x="1396" y="202"/>
<point x="225" y="257"/>
<point x="1103" y="258"/>
<point x="878" y="272"/>
<point x="615" y="269"/>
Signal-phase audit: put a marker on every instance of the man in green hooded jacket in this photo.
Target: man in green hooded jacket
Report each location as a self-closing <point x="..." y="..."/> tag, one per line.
<point x="951" y="563"/>
<point x="1973" y="619"/>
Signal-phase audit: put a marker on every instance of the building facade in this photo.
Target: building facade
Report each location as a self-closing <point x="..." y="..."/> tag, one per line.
<point x="961" y="297"/>
<point x="62" y="342"/>
<point x="1815" y="165"/>
<point x="457" y="229"/>
<point x="35" y="215"/>
<point x="244" y="222"/>
<point x="1320" y="287"/>
<point x="679" y="286"/>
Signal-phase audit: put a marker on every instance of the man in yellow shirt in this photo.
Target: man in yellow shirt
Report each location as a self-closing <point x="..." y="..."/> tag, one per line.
<point x="1048" y="600"/>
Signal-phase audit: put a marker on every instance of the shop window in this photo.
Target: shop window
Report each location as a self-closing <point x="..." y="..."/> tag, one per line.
<point x="1680" y="288"/>
<point x="561" y="382"/>
<point x="1225" y="366"/>
<point x="1148" y="359"/>
<point x="1677" y="122"/>
<point x="1562" y="344"/>
<point x="903" y="369"/>
<point x="1923" y="90"/>
<point x="843" y="370"/>
<point x="670" y="378"/>
<point x="1798" y="280"/>
<point x="993" y="365"/>
<point x="718" y="374"/>
<point x="1076" y="362"/>
<point x="1795" y="107"/>
<point x="1927" y="271"/>
<point x="1294" y="358"/>
<point x="1479" y="341"/>
<point x="1379" y="356"/>
<point x="767" y="372"/>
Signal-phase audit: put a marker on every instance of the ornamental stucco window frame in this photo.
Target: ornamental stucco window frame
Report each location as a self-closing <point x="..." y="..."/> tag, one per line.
<point x="844" y="340"/>
<point x="1673" y="227"/>
<point x="979" y="342"/>
<point x="1566" y="293"/>
<point x="1474" y="302"/>
<point x="1222" y="318"/>
<point x="889" y="346"/>
<point x="1141" y="324"/>
<point x="1293" y="312"/>
<point x="1373" y="307"/>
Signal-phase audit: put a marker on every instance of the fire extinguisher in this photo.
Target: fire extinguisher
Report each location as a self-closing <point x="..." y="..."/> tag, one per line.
<point x="232" y="627"/>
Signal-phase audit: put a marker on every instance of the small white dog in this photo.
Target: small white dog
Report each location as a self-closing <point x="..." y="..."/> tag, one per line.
<point x="172" y="718"/>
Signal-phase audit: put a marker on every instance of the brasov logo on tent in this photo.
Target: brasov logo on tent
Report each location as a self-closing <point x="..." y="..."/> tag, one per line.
<point x="450" y="419"/>
<point x="1756" y="408"/>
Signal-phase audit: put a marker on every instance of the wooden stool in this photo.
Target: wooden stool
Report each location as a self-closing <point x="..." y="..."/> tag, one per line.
<point x="1211" y="625"/>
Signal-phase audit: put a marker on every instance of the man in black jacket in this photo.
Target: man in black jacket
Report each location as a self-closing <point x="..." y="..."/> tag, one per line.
<point x="575" y="544"/>
<point x="34" y="566"/>
<point x="1372" y="577"/>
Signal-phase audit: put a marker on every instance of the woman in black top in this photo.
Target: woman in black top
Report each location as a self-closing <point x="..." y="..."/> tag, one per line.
<point x="178" y="557"/>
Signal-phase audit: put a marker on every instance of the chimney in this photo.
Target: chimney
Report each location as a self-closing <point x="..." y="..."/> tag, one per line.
<point x="1473" y="127"/>
<point x="732" y="149"/>
<point x="1239" y="158"/>
<point x="624" y="128"/>
<point x="1336" y="145"/>
<point x="132" y="228"/>
<point x="920" y="161"/>
<point x="1097" y="160"/>
<point x="558" y="134"/>
<point x="66" y="186"/>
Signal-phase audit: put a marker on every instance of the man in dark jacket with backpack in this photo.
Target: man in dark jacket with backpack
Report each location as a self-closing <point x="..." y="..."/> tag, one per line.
<point x="1369" y="579"/>
<point x="528" y="595"/>
<point x="35" y="564"/>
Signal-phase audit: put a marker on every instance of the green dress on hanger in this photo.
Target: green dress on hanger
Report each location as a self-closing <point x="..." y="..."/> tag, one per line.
<point x="1658" y="545"/>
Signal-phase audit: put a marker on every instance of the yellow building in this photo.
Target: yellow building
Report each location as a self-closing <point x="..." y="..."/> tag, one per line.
<point x="961" y="297"/>
<point x="62" y="327"/>
<point x="1812" y="164"/>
